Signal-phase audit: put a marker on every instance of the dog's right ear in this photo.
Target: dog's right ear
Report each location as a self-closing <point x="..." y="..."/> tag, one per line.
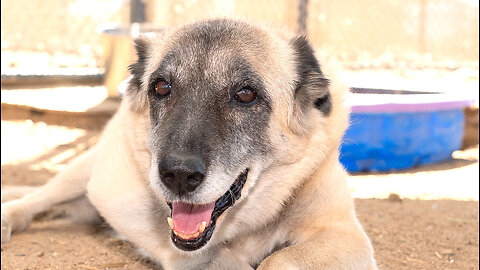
<point x="135" y="93"/>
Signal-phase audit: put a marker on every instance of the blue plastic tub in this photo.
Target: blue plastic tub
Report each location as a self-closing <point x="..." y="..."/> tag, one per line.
<point x="395" y="130"/>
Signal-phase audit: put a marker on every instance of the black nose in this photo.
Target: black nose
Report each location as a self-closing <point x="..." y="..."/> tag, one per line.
<point x="181" y="173"/>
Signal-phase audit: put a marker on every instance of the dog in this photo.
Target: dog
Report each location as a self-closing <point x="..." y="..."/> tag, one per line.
<point x="222" y="155"/>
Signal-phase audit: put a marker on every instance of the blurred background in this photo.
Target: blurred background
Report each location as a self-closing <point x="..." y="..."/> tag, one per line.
<point x="413" y="66"/>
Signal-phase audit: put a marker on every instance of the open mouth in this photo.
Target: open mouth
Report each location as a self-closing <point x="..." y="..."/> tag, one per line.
<point x="192" y="225"/>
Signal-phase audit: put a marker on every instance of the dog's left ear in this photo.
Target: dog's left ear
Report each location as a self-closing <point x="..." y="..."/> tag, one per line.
<point x="138" y="98"/>
<point x="311" y="89"/>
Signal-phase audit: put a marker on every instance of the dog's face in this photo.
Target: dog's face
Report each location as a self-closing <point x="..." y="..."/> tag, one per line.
<point x="226" y="101"/>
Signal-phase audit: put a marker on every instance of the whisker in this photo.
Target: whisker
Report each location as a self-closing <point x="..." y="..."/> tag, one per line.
<point x="231" y="194"/>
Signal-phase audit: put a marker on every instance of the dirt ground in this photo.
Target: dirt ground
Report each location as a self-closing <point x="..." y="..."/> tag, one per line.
<point x="407" y="230"/>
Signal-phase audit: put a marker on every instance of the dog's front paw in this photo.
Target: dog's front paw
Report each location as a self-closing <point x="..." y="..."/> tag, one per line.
<point x="10" y="193"/>
<point x="6" y="230"/>
<point x="278" y="262"/>
<point x="13" y="219"/>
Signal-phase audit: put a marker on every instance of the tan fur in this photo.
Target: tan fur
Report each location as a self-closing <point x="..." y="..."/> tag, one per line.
<point x="305" y="221"/>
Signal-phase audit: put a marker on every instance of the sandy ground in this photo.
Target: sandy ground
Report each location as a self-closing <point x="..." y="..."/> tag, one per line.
<point x="430" y="222"/>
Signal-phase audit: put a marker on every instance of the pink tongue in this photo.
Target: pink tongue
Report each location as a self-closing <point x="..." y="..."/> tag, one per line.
<point x="187" y="217"/>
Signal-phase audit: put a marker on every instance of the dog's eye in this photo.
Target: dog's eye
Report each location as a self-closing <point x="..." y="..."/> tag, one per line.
<point x="245" y="95"/>
<point x="163" y="88"/>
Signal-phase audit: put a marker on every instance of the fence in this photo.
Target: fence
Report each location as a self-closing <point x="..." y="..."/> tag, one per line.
<point x="361" y="34"/>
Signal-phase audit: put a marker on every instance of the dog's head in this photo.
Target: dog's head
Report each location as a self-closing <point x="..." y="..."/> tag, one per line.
<point x="228" y="103"/>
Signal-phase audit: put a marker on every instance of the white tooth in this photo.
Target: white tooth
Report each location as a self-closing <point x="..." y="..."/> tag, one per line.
<point x="195" y="235"/>
<point x="202" y="227"/>
<point x="170" y="222"/>
<point x="176" y="233"/>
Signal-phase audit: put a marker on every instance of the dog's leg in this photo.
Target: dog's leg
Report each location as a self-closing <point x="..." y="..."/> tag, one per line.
<point x="10" y="193"/>
<point x="332" y="248"/>
<point x="65" y="186"/>
<point x="80" y="210"/>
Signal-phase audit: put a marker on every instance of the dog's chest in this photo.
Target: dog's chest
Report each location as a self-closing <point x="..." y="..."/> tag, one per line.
<point x="254" y="248"/>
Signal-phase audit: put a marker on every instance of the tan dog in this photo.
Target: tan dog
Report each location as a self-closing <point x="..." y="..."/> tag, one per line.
<point x="223" y="155"/>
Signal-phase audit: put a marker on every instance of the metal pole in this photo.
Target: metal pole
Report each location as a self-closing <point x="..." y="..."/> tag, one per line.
<point x="302" y="17"/>
<point x="137" y="11"/>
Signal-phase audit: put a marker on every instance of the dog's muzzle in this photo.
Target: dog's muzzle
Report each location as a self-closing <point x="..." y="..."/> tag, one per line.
<point x="193" y="225"/>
